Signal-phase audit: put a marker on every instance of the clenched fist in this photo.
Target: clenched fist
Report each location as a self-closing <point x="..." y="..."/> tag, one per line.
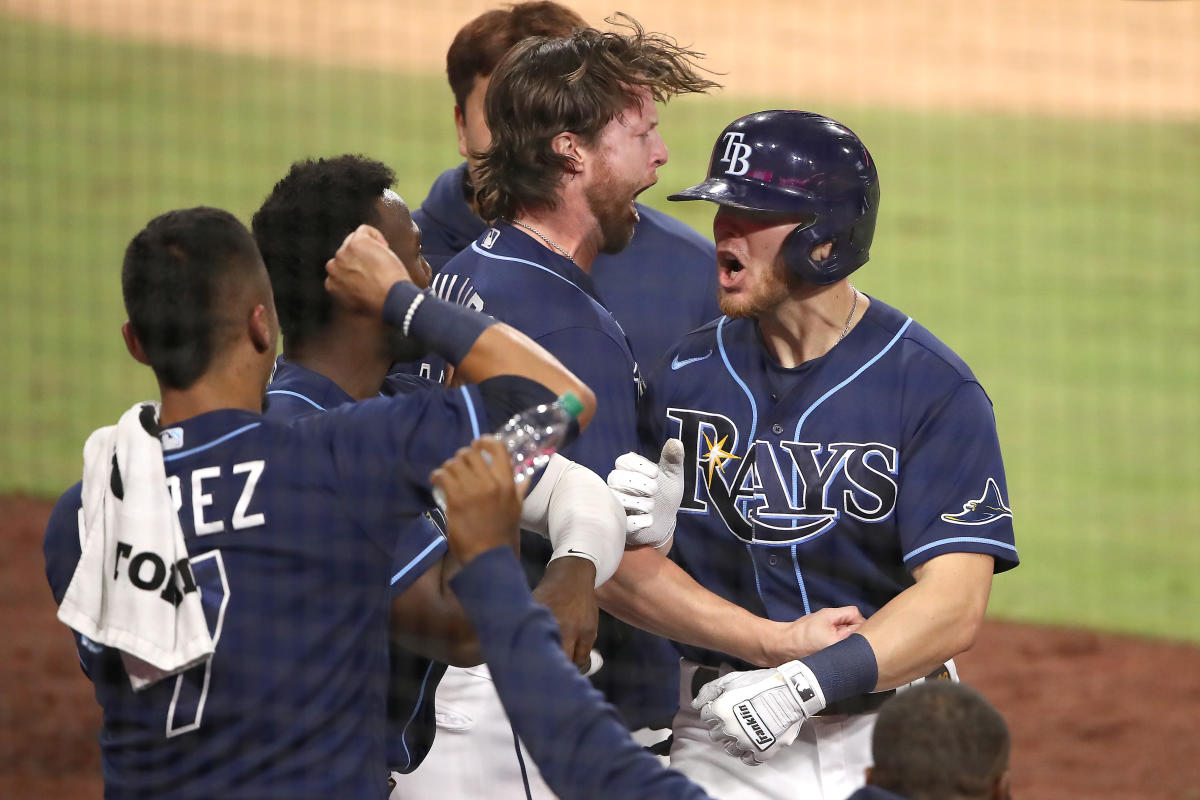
<point x="363" y="270"/>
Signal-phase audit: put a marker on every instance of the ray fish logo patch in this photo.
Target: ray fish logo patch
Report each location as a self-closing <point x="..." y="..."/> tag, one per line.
<point x="988" y="508"/>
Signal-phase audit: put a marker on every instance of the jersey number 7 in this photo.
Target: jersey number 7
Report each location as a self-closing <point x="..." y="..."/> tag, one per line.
<point x="191" y="687"/>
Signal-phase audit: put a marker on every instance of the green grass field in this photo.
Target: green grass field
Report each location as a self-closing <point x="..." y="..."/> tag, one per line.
<point x="1059" y="257"/>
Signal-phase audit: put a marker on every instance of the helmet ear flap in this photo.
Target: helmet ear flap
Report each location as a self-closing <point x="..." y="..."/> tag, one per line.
<point x="796" y="252"/>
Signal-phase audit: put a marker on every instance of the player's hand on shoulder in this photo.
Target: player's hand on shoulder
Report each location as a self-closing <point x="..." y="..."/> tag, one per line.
<point x="813" y="632"/>
<point x="754" y="714"/>
<point x="650" y="494"/>
<point x="566" y="589"/>
<point x="483" y="503"/>
<point x="363" y="270"/>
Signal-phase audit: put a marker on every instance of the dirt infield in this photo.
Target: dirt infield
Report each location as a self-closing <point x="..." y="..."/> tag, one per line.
<point x="1090" y="57"/>
<point x="1093" y="716"/>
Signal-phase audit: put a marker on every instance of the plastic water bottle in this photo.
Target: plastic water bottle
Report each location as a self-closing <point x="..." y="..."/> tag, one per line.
<point x="532" y="436"/>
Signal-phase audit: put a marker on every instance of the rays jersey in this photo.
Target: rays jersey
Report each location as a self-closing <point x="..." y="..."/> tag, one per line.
<point x="291" y="533"/>
<point x="827" y="484"/>
<point x="508" y="274"/>
<point x="512" y="276"/>
<point x="296" y="392"/>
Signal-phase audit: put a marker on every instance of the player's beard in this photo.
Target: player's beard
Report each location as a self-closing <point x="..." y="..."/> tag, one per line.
<point x="611" y="205"/>
<point x="762" y="296"/>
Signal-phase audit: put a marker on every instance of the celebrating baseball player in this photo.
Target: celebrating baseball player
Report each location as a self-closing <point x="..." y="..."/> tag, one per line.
<point x="564" y="164"/>
<point x="657" y="288"/>
<point x="834" y="453"/>
<point x="333" y="356"/>
<point x="937" y="741"/>
<point x="225" y="575"/>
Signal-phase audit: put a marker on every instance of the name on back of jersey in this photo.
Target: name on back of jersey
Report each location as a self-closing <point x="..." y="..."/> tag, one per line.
<point x="211" y="488"/>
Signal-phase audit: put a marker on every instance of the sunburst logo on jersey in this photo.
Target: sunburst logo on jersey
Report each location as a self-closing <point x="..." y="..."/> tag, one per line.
<point x="717" y="455"/>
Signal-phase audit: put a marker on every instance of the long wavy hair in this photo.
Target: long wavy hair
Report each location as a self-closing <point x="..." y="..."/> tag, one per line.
<point x="547" y="85"/>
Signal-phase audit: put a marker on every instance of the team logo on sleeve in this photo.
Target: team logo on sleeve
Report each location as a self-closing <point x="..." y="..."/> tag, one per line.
<point x="988" y="508"/>
<point x="775" y="492"/>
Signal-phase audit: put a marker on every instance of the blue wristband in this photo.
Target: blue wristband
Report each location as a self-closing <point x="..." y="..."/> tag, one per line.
<point x="447" y="329"/>
<point x="845" y="669"/>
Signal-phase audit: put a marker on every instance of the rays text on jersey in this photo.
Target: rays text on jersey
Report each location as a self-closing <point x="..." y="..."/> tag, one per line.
<point x="781" y="492"/>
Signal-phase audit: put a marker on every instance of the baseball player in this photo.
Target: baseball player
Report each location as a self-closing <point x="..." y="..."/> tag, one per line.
<point x="940" y="740"/>
<point x="561" y="177"/>
<point x="836" y="453"/>
<point x="284" y="526"/>
<point x="658" y="288"/>
<point x="333" y="357"/>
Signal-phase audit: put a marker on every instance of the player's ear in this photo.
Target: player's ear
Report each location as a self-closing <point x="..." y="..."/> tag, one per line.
<point x="869" y="772"/>
<point x="1002" y="789"/>
<point x="568" y="144"/>
<point x="133" y="345"/>
<point x="262" y="329"/>
<point x="460" y="127"/>
<point x="822" y="251"/>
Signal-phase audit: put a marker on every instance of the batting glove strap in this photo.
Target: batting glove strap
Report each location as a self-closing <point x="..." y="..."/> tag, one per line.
<point x="805" y="689"/>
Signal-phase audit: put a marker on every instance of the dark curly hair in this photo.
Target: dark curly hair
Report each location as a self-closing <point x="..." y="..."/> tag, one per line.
<point x="547" y="85"/>
<point x="301" y="225"/>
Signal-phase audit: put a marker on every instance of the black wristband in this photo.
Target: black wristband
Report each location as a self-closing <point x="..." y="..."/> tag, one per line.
<point x="845" y="669"/>
<point x="445" y="328"/>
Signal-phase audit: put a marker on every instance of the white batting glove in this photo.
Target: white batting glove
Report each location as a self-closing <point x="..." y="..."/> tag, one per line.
<point x="650" y="494"/>
<point x="754" y="714"/>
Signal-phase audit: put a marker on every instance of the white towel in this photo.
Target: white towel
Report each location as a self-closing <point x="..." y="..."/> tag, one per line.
<point x="133" y="589"/>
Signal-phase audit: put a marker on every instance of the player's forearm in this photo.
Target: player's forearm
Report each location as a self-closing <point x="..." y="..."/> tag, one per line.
<point x="502" y="350"/>
<point x="651" y="592"/>
<point x="572" y="507"/>
<point x="932" y="621"/>
<point x="427" y="619"/>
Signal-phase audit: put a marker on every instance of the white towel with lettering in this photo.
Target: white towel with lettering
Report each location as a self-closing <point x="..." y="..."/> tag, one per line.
<point x="133" y="589"/>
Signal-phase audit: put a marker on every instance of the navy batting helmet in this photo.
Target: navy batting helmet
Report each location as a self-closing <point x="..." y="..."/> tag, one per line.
<point x="802" y="163"/>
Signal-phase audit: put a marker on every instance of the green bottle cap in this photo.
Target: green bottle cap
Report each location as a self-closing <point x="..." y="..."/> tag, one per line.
<point x="570" y="403"/>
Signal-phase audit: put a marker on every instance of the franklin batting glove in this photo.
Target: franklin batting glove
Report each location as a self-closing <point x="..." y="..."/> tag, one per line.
<point x="650" y="494"/>
<point x="754" y="714"/>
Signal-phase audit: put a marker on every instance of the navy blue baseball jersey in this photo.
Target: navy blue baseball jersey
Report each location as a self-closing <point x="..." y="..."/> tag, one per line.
<point x="291" y="532"/>
<point x="513" y="277"/>
<point x="827" y="484"/>
<point x="659" y="287"/>
<point x="579" y="744"/>
<point x="296" y="392"/>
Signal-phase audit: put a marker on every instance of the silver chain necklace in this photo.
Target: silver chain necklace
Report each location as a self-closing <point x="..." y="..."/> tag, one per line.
<point x="853" y="308"/>
<point x="553" y="244"/>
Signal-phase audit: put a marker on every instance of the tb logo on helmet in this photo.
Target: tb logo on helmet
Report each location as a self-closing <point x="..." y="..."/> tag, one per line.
<point x="737" y="154"/>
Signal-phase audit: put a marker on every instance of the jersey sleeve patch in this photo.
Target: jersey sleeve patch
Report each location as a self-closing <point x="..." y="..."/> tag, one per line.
<point x="988" y="507"/>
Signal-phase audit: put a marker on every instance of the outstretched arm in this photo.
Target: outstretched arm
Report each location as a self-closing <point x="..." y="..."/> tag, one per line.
<point x="651" y="592"/>
<point x="577" y="740"/>
<point x="922" y="627"/>
<point x="655" y="594"/>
